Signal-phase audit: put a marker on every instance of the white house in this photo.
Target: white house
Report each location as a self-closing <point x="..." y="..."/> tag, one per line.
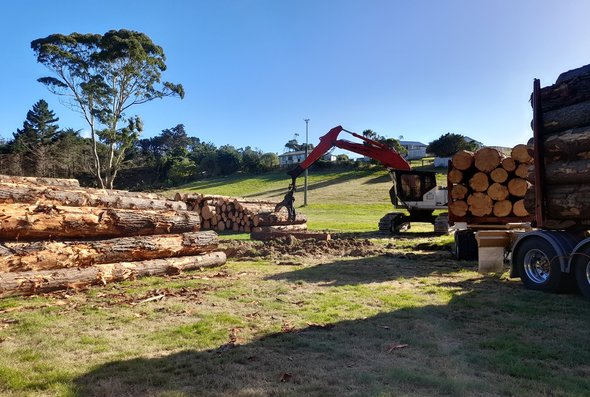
<point x="293" y="158"/>
<point x="416" y="150"/>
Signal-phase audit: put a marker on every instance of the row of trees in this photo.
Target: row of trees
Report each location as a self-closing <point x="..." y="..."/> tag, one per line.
<point x="41" y="148"/>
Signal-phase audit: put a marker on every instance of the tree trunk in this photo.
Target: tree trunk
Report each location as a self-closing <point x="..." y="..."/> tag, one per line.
<point x="459" y="192"/>
<point x="569" y="145"/>
<point x="29" y="180"/>
<point x="462" y="160"/>
<point x="509" y="164"/>
<point x="455" y="176"/>
<point x="487" y="159"/>
<point x="498" y="192"/>
<point x="522" y="171"/>
<point x="41" y="221"/>
<point x="47" y="255"/>
<point x="10" y="193"/>
<point x="479" y="182"/>
<point x="276" y="219"/>
<point x="518" y="187"/>
<point x="480" y="204"/>
<point x="499" y="175"/>
<point x="567" y="202"/>
<point x="567" y="173"/>
<point x="564" y="92"/>
<point x="521" y="154"/>
<point x="27" y="283"/>
<point x="458" y="208"/>
<point x="566" y="118"/>
<point x="502" y="208"/>
<point x="519" y="209"/>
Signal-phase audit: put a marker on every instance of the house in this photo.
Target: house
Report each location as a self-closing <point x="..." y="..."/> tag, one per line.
<point x="416" y="150"/>
<point x="293" y="158"/>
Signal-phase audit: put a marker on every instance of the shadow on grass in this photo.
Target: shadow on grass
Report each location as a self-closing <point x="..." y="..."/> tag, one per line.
<point x="485" y="341"/>
<point x="372" y="270"/>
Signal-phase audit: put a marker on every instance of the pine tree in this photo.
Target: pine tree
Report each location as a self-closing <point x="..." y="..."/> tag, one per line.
<point x="35" y="139"/>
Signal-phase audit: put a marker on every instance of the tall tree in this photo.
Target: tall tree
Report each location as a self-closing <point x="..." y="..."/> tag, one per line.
<point x="34" y="140"/>
<point x="102" y="76"/>
<point x="448" y="144"/>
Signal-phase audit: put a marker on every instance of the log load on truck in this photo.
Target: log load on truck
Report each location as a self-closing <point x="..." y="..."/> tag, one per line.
<point x="554" y="253"/>
<point x="415" y="191"/>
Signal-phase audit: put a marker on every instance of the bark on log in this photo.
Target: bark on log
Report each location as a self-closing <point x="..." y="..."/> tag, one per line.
<point x="502" y="208"/>
<point x="458" y="208"/>
<point x="521" y="154"/>
<point x="47" y="255"/>
<point x="479" y="182"/>
<point x="31" y="180"/>
<point x="565" y="118"/>
<point x="27" y="283"/>
<point x="455" y="176"/>
<point x="462" y="160"/>
<point x="509" y="164"/>
<point x="572" y="144"/>
<point x="571" y="87"/>
<point x="518" y="187"/>
<point x="487" y="158"/>
<point x="38" y="221"/>
<point x="276" y="218"/>
<point x="498" y="192"/>
<point x="480" y="204"/>
<point x="567" y="173"/>
<point x="270" y="235"/>
<point x="499" y="175"/>
<point x="568" y="202"/>
<point x="459" y="192"/>
<point x="11" y="193"/>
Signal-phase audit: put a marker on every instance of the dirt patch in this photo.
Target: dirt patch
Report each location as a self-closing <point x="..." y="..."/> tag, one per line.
<point x="291" y="247"/>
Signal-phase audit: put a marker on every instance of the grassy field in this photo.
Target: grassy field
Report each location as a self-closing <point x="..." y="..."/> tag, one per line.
<point x="390" y="317"/>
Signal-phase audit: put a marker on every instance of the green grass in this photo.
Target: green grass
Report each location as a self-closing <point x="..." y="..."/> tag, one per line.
<point x="385" y="325"/>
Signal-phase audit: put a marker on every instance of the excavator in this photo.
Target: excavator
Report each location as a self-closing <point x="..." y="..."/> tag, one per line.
<point x="415" y="191"/>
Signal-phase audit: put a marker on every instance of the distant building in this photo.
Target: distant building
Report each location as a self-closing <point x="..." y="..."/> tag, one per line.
<point x="293" y="158"/>
<point x="416" y="150"/>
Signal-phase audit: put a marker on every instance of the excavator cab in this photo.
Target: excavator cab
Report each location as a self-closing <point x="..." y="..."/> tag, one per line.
<point x="410" y="186"/>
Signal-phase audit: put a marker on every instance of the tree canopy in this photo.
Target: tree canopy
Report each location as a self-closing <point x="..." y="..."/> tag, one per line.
<point x="102" y="76"/>
<point x="448" y="144"/>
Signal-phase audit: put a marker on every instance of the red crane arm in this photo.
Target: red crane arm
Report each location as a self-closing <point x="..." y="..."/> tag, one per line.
<point x="388" y="157"/>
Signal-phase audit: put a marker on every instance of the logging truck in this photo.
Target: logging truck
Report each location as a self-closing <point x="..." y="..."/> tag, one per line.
<point x="415" y="191"/>
<point x="554" y="253"/>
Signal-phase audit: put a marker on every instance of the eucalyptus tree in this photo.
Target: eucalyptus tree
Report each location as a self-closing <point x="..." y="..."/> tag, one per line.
<point x="102" y="76"/>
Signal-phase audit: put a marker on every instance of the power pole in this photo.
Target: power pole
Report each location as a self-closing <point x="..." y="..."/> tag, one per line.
<point x="306" y="145"/>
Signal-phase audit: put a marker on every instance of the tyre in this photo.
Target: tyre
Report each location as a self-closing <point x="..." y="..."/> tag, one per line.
<point x="465" y="245"/>
<point x="538" y="265"/>
<point x="582" y="272"/>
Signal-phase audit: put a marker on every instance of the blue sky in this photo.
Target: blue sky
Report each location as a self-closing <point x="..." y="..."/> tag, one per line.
<point x="253" y="70"/>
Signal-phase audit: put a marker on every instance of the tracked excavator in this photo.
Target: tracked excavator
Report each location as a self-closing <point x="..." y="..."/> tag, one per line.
<point x="415" y="191"/>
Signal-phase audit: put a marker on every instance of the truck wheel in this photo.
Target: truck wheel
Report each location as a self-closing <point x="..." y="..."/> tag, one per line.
<point x="538" y="265"/>
<point x="582" y="271"/>
<point x="465" y="245"/>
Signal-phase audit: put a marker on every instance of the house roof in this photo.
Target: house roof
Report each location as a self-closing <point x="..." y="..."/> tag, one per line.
<point x="413" y="143"/>
<point x="296" y="153"/>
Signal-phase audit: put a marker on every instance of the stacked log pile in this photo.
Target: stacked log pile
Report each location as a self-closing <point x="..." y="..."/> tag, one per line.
<point x="240" y="215"/>
<point x="56" y="235"/>
<point x="565" y="131"/>
<point x="488" y="186"/>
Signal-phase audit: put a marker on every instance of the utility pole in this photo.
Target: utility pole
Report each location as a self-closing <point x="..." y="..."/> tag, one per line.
<point x="306" y="145"/>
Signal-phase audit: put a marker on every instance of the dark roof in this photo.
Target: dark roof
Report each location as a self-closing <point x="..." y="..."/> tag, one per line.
<point x="415" y="143"/>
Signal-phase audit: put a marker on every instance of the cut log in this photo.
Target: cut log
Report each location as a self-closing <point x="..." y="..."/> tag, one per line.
<point x="47" y="255"/>
<point x="479" y="182"/>
<point x="458" y="208"/>
<point x="518" y="208"/>
<point x="499" y="175"/>
<point x="518" y="187"/>
<point x="568" y="90"/>
<point x="459" y="192"/>
<point x="27" y="283"/>
<point x="498" y="192"/>
<point x="573" y="172"/>
<point x="38" y="221"/>
<point x="522" y="171"/>
<point x="29" y="194"/>
<point x="509" y="164"/>
<point x="455" y="176"/>
<point x="521" y="154"/>
<point x="487" y="158"/>
<point x="502" y="208"/>
<point x="480" y="204"/>
<point x="208" y="211"/>
<point x="565" y="118"/>
<point x="462" y="160"/>
<point x="276" y="218"/>
<point x="572" y="144"/>
<point x="32" y="180"/>
<point x="567" y="202"/>
<point x="283" y="228"/>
